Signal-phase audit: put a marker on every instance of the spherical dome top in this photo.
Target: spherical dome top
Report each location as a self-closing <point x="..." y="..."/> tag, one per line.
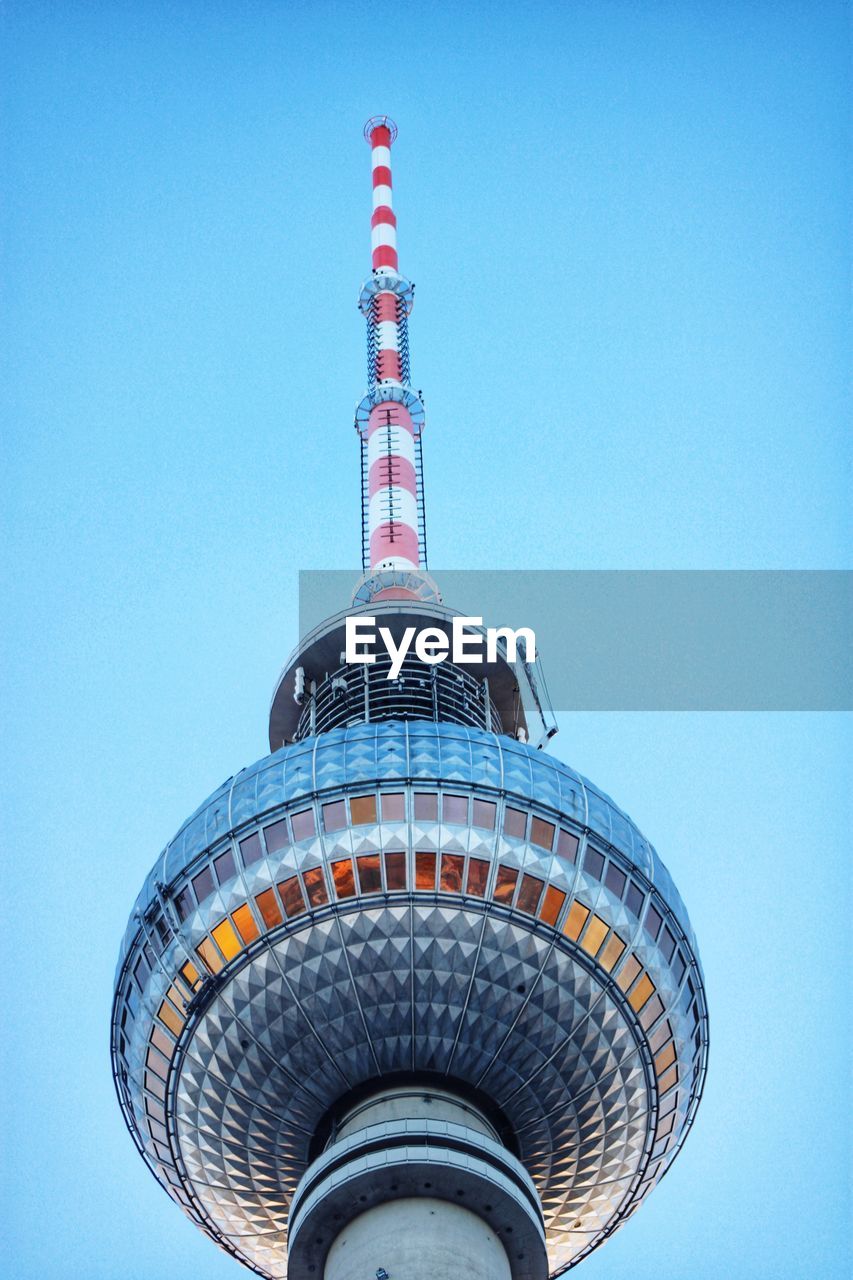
<point x="412" y="898"/>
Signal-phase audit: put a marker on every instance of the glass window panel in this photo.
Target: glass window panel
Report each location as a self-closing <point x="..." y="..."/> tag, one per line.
<point x="203" y="884"/>
<point x="641" y="992"/>
<point x="680" y="967"/>
<point x="191" y="974"/>
<point x="224" y="864"/>
<point x="393" y="806"/>
<point x="250" y="849"/>
<point x="665" y="1058"/>
<point x="156" y="1063"/>
<point x="652" y="923"/>
<point x="593" y="862"/>
<point x="660" y="1037"/>
<point x="515" y="823"/>
<point x="628" y="972"/>
<point x="210" y="957"/>
<point x="667" y="944"/>
<point x="454" y="809"/>
<point x="157" y="1130"/>
<point x="161" y="1041"/>
<point x="424" y="870"/>
<point x="156" y="1110"/>
<point x="478" y="875"/>
<point x="575" y="920"/>
<point x="268" y="908"/>
<point x="362" y="810"/>
<point x="184" y="903"/>
<point x="595" y="934"/>
<point x="334" y="817"/>
<point x="567" y="845"/>
<point x="668" y="1079"/>
<point x="369" y="874"/>
<point x="245" y="923"/>
<point x="226" y="939"/>
<point x="542" y="833"/>
<point x="505" y="884"/>
<point x="612" y="951"/>
<point x="177" y="996"/>
<point x="452" y="867"/>
<point x="615" y="880"/>
<point x="665" y="1126"/>
<point x="395" y="869"/>
<point x="276" y="837"/>
<point x="141" y="971"/>
<point x="552" y="905"/>
<point x="634" y="900"/>
<point x="344" y="878"/>
<point x="290" y="892"/>
<point x="303" y="824"/>
<point x="651" y="1012"/>
<point x="154" y="1084"/>
<point x="426" y="806"/>
<point x="149" y="956"/>
<point x="315" y="886"/>
<point x="530" y="893"/>
<point x="171" y="1018"/>
<point x="484" y="814"/>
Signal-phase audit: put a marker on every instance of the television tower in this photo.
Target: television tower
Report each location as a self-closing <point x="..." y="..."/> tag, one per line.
<point x="408" y="998"/>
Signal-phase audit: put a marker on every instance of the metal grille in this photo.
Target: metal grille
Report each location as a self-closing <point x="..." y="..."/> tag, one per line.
<point x="359" y="694"/>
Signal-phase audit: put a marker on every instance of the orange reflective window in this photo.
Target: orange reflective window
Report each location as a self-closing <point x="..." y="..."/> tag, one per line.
<point x="505" y="884"/>
<point x="612" y="951"/>
<point x="665" y="1058"/>
<point x="575" y="920"/>
<point x="315" y="886"/>
<point x="529" y="894"/>
<point x="369" y="875"/>
<point x="245" y="924"/>
<point x="659" y="1039"/>
<point x="191" y="974"/>
<point x="210" y="957"/>
<point x="651" y="1012"/>
<point x="156" y="1063"/>
<point x="484" y="814"/>
<point x="552" y="904"/>
<point x="424" y="870"/>
<point x="344" y="878"/>
<point x="395" y="869"/>
<point x="478" y="875"/>
<point x="170" y="1016"/>
<point x="628" y="972"/>
<point x="362" y="810"/>
<point x="161" y="1041"/>
<point x="452" y="868"/>
<point x="154" y="1084"/>
<point x="515" y="822"/>
<point x="268" y="908"/>
<point x="641" y="993"/>
<point x="226" y="939"/>
<point x="393" y="806"/>
<point x="542" y="833"/>
<point x="595" y="934"/>
<point x="334" y="815"/>
<point x="668" y="1079"/>
<point x="177" y="997"/>
<point x="290" y="892"/>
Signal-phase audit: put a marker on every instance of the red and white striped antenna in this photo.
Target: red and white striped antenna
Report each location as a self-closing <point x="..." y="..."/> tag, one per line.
<point x="390" y="418"/>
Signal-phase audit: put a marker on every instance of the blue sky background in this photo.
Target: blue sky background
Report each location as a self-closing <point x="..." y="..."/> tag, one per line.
<point x="628" y="223"/>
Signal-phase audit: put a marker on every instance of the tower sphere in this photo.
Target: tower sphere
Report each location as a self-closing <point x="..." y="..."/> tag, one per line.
<point x="407" y="994"/>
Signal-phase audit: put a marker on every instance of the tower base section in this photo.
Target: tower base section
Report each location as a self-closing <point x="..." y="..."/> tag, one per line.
<point x="418" y="1239"/>
<point x="417" y="1185"/>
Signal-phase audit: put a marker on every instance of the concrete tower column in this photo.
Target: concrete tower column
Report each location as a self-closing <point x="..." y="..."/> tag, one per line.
<point x="416" y="1183"/>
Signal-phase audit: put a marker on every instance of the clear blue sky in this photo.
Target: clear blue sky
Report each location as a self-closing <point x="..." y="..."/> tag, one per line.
<point x="628" y="224"/>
